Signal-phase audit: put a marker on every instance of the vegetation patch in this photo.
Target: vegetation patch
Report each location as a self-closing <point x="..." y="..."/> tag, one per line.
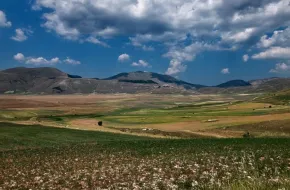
<point x="49" y="158"/>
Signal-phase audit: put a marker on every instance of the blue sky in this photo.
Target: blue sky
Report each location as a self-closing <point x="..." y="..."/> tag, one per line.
<point x="204" y="42"/>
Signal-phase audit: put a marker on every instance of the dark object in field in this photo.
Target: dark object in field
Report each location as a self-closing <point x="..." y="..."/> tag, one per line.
<point x="270" y="106"/>
<point x="100" y="123"/>
<point x="247" y="135"/>
<point x="254" y="109"/>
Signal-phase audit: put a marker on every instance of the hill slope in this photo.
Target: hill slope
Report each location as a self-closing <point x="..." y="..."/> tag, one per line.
<point x="48" y="80"/>
<point x="53" y="81"/>
<point x="234" y="83"/>
<point x="156" y="78"/>
<point x="281" y="97"/>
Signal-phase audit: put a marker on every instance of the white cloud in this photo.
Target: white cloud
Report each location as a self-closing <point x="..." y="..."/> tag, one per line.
<point x="274" y="53"/>
<point x="175" y="67"/>
<point x="3" y="20"/>
<point x="225" y="71"/>
<point x="43" y="61"/>
<point x="94" y="40"/>
<point x="19" y="57"/>
<point x="124" y="57"/>
<point x="237" y="21"/>
<point x="240" y="36"/>
<point x="279" y="38"/>
<point x="148" y="48"/>
<point x="172" y="24"/>
<point x="21" y="34"/>
<point x="280" y="68"/>
<point x="246" y="58"/>
<point x="71" y="61"/>
<point x="140" y="63"/>
<point x="178" y="55"/>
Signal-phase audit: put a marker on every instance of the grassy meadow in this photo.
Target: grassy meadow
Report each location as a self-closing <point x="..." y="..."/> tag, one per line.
<point x="38" y="157"/>
<point x="145" y="142"/>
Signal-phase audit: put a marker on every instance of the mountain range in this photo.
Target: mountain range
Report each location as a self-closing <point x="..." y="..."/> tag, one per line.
<point x="47" y="80"/>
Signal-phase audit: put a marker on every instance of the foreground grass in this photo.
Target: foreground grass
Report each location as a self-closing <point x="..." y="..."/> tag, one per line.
<point x="52" y="158"/>
<point x="14" y="136"/>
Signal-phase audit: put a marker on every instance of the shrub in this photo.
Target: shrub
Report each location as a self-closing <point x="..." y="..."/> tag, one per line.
<point x="247" y="135"/>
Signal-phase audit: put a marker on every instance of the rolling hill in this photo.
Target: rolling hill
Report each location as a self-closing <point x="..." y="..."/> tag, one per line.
<point x="48" y="80"/>
<point x="234" y="83"/>
<point x="280" y="97"/>
<point x="154" y="78"/>
<point x="53" y="81"/>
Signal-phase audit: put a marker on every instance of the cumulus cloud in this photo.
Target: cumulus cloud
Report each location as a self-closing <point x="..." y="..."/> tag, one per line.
<point x="274" y="53"/>
<point x="233" y="20"/>
<point x="218" y="23"/>
<point x="240" y="36"/>
<point x="141" y="63"/>
<point x="124" y="57"/>
<point x="19" y="57"/>
<point x="280" y="68"/>
<point x="225" y="71"/>
<point x="179" y="55"/>
<point x="3" y="20"/>
<point x="21" y="34"/>
<point x="246" y="58"/>
<point x="279" y="38"/>
<point x="175" y="67"/>
<point x="43" y="61"/>
<point x="71" y="61"/>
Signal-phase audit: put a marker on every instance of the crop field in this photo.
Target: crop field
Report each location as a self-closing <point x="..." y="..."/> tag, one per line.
<point x="200" y="115"/>
<point x="38" y="157"/>
<point x="145" y="142"/>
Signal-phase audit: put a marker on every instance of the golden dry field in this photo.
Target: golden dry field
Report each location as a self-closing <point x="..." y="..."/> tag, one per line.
<point x="174" y="116"/>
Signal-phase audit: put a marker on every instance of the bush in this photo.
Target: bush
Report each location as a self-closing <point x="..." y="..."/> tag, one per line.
<point x="247" y="135"/>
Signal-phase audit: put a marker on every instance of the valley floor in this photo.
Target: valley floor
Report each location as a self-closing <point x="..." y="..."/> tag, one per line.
<point x="175" y="116"/>
<point x="145" y="142"/>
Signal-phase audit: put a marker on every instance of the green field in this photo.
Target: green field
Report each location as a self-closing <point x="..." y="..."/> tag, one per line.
<point x="137" y="112"/>
<point x="281" y="97"/>
<point x="145" y="142"/>
<point x="38" y="157"/>
<point x="15" y="136"/>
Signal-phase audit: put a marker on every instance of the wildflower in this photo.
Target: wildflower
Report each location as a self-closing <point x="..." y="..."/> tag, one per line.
<point x="194" y="183"/>
<point x="262" y="159"/>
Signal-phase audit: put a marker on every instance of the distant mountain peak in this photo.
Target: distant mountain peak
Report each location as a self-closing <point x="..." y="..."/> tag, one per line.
<point x="47" y="80"/>
<point x="234" y="83"/>
<point x="154" y="77"/>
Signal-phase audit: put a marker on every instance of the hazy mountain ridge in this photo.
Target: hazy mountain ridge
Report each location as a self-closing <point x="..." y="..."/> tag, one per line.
<point x="234" y="83"/>
<point x="48" y="80"/>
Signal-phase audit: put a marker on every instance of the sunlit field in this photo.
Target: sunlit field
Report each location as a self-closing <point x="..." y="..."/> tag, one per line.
<point x="222" y="116"/>
<point x="144" y="142"/>
<point x="51" y="158"/>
